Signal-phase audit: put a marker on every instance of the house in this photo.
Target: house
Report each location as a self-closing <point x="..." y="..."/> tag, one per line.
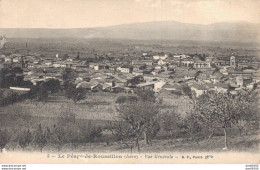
<point x="126" y="69"/>
<point x="57" y="65"/>
<point x="172" y="87"/>
<point x="157" y="67"/>
<point x="144" y="54"/>
<point x="107" y="87"/>
<point x="96" y="67"/>
<point x="155" y="72"/>
<point x="162" y="57"/>
<point x="180" y="56"/>
<point x="199" y="89"/>
<point x="48" y="63"/>
<point x="153" y="85"/>
<point x="138" y="73"/>
<point x="224" y="71"/>
<point x="147" y="62"/>
<point x="70" y="59"/>
<point x="92" y="65"/>
<point x="160" y="62"/>
<point x="216" y="76"/>
<point x="8" y="59"/>
<point x="112" y="68"/>
<point x="136" y="68"/>
<point x="240" y="73"/>
<point x="187" y="62"/>
<point x="142" y="62"/>
<point x="220" y="63"/>
<point x="97" y="88"/>
<point x="202" y="64"/>
<point x="243" y="65"/>
<point x="16" y="59"/>
<point x="221" y="88"/>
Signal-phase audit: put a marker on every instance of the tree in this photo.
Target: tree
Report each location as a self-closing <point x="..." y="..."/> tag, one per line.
<point x="171" y="122"/>
<point x="8" y="77"/>
<point x="75" y="94"/>
<point x="246" y="110"/>
<point x="123" y="133"/>
<point x="90" y="132"/>
<point x="140" y="118"/>
<point x="4" y="138"/>
<point x="197" y="74"/>
<point x="222" y="110"/>
<point x="187" y="91"/>
<point x="42" y="93"/>
<point x="53" y="85"/>
<point x="68" y="74"/>
<point x="193" y="126"/>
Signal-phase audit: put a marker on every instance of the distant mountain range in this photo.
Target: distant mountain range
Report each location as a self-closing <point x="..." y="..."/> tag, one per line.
<point x="166" y="30"/>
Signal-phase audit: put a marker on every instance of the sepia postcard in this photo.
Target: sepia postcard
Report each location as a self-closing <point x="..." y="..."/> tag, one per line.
<point x="129" y="81"/>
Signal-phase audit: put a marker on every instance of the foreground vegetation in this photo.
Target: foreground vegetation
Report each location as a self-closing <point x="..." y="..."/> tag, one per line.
<point x="218" y="122"/>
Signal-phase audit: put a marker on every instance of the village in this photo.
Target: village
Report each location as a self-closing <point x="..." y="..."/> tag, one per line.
<point x="162" y="73"/>
<point x="129" y="82"/>
<point x="67" y="90"/>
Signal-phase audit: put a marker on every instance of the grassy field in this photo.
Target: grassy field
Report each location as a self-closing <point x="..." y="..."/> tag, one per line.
<point x="99" y="109"/>
<point x="96" y="106"/>
<point x="245" y="143"/>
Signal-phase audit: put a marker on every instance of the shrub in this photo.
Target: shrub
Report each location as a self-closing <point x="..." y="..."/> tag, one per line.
<point x="25" y="138"/>
<point x="4" y="138"/>
<point x="58" y="136"/>
<point x="123" y="99"/>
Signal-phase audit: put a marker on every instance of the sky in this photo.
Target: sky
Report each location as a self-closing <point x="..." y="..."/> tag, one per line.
<point x="99" y="13"/>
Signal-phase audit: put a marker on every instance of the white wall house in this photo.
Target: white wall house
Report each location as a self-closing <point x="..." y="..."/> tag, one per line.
<point x="125" y="70"/>
<point x="157" y="57"/>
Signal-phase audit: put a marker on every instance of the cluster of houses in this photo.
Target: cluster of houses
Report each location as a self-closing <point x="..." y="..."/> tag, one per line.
<point x="161" y="73"/>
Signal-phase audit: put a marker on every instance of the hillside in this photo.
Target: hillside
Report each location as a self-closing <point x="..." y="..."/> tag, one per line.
<point x="168" y="30"/>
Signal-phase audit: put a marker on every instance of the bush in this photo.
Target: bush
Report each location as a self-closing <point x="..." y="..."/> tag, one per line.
<point x="123" y="99"/>
<point x="90" y="132"/>
<point x="25" y="138"/>
<point x="58" y="136"/>
<point x="4" y="138"/>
